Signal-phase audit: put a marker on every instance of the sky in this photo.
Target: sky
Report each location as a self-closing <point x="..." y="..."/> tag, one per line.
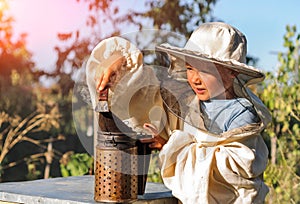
<point x="42" y="20"/>
<point x="263" y="23"/>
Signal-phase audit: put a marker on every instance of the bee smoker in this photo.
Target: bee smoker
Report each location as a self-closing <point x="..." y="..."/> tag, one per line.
<point x="121" y="160"/>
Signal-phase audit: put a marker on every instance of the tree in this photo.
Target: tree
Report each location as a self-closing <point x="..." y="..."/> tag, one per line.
<point x="107" y="19"/>
<point x="281" y="95"/>
<point x="28" y="127"/>
<point x="13" y="53"/>
<point x="177" y="16"/>
<point x="15" y="66"/>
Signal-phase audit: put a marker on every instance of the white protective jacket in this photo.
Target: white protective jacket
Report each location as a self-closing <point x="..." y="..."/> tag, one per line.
<point x="197" y="166"/>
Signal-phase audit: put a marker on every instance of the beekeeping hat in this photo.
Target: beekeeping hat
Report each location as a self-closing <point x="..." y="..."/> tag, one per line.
<point x="218" y="43"/>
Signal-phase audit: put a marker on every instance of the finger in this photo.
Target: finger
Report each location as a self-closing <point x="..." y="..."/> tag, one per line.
<point x="99" y="82"/>
<point x="151" y="128"/>
<point x="155" y="145"/>
<point x="118" y="63"/>
<point x="105" y="80"/>
<point x="147" y="140"/>
<point x="160" y="140"/>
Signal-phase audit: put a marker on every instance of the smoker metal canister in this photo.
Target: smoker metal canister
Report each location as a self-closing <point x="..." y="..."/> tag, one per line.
<point x="122" y="163"/>
<point x="116" y="177"/>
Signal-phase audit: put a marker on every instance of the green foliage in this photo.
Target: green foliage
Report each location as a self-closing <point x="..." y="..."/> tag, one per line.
<point x="76" y="164"/>
<point x="154" y="169"/>
<point x="283" y="177"/>
<point x="281" y="95"/>
<point x="33" y="172"/>
<point x="176" y="15"/>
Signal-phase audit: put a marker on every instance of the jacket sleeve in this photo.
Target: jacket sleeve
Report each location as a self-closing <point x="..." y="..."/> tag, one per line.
<point x="135" y="96"/>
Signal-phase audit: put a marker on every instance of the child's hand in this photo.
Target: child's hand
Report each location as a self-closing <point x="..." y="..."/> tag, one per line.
<point x="106" y="75"/>
<point x="156" y="142"/>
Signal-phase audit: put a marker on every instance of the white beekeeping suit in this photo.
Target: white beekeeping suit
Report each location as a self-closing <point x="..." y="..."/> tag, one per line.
<point x="198" y="166"/>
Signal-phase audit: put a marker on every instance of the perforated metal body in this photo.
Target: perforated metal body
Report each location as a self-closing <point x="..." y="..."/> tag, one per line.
<point x="116" y="177"/>
<point x="121" y="163"/>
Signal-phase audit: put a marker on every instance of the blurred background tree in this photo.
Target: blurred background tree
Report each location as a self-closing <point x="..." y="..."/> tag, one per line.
<point x="281" y="95"/>
<point x="32" y="128"/>
<point x="16" y="81"/>
<point x="16" y="67"/>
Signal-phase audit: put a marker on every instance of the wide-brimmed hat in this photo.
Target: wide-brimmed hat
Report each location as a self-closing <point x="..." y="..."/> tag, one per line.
<point x="219" y="43"/>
